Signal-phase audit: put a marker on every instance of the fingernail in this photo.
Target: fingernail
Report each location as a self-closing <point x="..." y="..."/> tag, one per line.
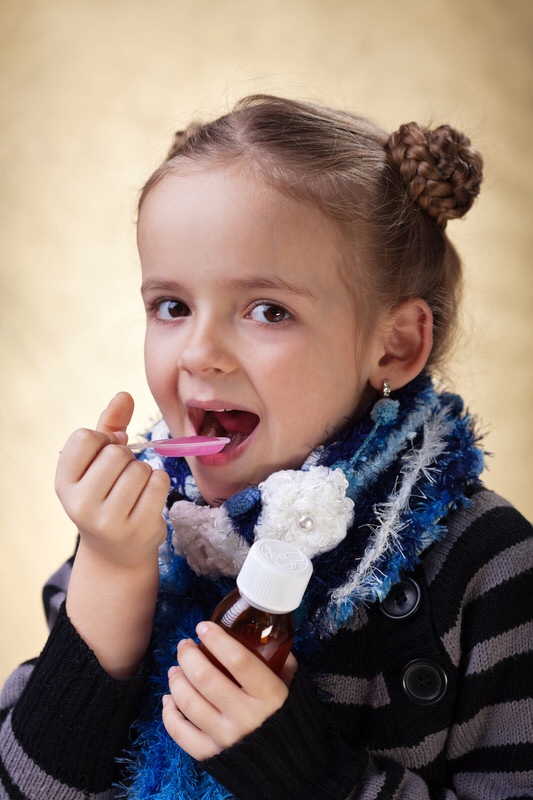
<point x="202" y="628"/>
<point x="171" y="671"/>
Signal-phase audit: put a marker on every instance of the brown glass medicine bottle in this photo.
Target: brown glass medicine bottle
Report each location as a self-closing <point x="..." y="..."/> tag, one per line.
<point x="259" y="611"/>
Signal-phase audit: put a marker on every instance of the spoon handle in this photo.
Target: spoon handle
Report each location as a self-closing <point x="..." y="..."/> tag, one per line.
<point x="138" y="447"/>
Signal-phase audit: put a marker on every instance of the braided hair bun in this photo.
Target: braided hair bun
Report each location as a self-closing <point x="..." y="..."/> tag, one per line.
<point x="440" y="168"/>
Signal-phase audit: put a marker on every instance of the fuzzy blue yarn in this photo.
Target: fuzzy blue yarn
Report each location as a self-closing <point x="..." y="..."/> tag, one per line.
<point x="369" y="453"/>
<point x="161" y="770"/>
<point x="243" y="502"/>
<point x="385" y="411"/>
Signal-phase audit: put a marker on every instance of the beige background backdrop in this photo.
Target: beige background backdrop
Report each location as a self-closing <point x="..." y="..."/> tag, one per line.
<point x="90" y="92"/>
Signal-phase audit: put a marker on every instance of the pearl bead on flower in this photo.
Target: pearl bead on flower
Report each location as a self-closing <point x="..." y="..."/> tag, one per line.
<point x="306" y="522"/>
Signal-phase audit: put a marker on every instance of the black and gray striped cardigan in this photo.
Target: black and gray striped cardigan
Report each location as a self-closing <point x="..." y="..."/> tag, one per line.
<point x="427" y="695"/>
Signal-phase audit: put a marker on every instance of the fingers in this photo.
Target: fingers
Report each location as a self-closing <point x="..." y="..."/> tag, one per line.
<point x="117" y="416"/>
<point x="193" y="740"/>
<point x="249" y="671"/>
<point x="153" y="498"/>
<point x="113" y="498"/>
<point x="78" y="454"/>
<point x="95" y="480"/>
<point x="84" y="445"/>
<point x="116" y="480"/>
<point x="208" y="712"/>
<point x="191" y="719"/>
<point x="85" y="457"/>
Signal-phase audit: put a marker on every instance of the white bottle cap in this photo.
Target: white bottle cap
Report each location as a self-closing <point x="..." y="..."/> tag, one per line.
<point x="274" y="576"/>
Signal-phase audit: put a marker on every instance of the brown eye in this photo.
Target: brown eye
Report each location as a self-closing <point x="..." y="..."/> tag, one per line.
<point x="172" y="309"/>
<point x="269" y="313"/>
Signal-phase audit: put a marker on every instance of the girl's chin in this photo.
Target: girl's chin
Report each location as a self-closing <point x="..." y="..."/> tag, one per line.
<point x="218" y="485"/>
<point x="216" y="493"/>
<point x="222" y="475"/>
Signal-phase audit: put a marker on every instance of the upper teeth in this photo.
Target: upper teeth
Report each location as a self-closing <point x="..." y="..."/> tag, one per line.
<point x="217" y="409"/>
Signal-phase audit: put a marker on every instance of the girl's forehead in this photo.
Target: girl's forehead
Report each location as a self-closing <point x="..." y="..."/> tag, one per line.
<point x="226" y="197"/>
<point x="233" y="179"/>
<point x="230" y="228"/>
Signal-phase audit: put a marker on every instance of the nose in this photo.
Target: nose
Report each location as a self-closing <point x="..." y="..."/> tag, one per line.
<point x="206" y="348"/>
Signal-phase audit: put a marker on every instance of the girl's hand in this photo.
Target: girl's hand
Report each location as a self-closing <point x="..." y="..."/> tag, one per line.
<point x="116" y="503"/>
<point x="115" y="500"/>
<point x="206" y="712"/>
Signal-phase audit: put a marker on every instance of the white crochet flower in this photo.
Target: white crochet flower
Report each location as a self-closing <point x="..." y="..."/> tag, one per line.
<point x="205" y="536"/>
<point x="307" y="508"/>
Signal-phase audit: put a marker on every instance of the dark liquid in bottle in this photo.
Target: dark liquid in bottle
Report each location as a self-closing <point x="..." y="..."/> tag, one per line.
<point x="269" y="636"/>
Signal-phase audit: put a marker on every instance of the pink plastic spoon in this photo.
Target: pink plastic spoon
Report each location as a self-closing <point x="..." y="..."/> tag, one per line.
<point x="183" y="446"/>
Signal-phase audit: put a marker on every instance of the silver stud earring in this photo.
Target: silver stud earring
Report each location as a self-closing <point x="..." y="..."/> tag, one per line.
<point x="386" y="389"/>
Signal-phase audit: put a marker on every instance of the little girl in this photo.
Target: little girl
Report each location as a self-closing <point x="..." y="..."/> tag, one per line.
<point x="300" y="291"/>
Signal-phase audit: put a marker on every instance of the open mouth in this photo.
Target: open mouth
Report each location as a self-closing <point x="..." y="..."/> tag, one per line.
<point x="235" y="424"/>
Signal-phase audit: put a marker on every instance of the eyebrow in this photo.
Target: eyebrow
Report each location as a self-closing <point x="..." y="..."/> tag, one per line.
<point x="253" y="283"/>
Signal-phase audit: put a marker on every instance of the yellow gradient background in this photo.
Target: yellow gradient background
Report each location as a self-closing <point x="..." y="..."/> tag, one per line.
<point x="90" y="93"/>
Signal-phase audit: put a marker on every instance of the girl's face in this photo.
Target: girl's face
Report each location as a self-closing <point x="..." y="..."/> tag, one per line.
<point x="251" y="332"/>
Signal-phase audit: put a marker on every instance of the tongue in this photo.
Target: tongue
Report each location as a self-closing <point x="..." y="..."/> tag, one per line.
<point x="232" y="422"/>
<point x="235" y="424"/>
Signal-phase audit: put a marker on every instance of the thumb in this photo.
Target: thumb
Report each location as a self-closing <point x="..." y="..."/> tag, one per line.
<point x="117" y="416"/>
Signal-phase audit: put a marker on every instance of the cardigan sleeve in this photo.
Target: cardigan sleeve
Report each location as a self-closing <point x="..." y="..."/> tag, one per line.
<point x="296" y="754"/>
<point x="299" y="754"/>
<point x="64" y="720"/>
<point x="480" y="584"/>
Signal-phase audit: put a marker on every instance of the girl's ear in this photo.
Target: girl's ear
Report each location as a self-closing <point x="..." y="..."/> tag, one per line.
<point x="402" y="344"/>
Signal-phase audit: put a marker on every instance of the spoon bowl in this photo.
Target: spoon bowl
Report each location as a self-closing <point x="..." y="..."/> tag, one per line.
<point x="183" y="446"/>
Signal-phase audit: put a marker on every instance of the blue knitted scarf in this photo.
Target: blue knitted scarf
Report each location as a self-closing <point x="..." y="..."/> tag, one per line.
<point x="364" y="507"/>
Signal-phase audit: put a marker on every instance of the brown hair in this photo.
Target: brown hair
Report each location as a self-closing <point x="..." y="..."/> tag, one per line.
<point x="390" y="196"/>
